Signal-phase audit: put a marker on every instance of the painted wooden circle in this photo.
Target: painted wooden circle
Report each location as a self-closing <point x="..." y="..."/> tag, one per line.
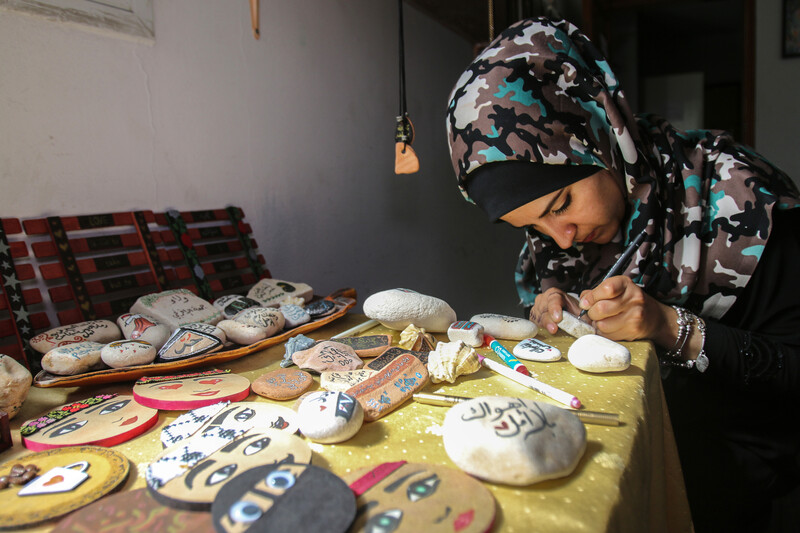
<point x="107" y="470"/>
<point x="198" y="487"/>
<point x="290" y="497"/>
<point x="134" y="510"/>
<point x="412" y="497"/>
<point x="184" y="393"/>
<point x="111" y="421"/>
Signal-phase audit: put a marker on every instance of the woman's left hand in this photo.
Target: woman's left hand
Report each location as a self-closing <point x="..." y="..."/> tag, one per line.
<point x="622" y="311"/>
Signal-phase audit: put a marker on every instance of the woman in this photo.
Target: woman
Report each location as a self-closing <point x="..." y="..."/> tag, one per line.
<point x="541" y="137"/>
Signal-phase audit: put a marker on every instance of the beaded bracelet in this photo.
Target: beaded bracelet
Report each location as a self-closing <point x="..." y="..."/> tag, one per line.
<point x="684" y="322"/>
<point x="673" y="357"/>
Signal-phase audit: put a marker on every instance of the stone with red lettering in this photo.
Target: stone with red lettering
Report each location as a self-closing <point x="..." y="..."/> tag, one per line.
<point x="120" y="354"/>
<point x="176" y="308"/>
<point x="102" y="331"/>
<point x="390" y="387"/>
<point x="138" y="327"/>
<point x="282" y="384"/>
<point x="186" y="342"/>
<point x="327" y="356"/>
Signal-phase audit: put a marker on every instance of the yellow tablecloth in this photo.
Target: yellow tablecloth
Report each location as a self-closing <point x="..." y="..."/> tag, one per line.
<point x="628" y="480"/>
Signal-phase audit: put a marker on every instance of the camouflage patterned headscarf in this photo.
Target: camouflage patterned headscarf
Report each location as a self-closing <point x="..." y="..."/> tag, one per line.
<point x="542" y="92"/>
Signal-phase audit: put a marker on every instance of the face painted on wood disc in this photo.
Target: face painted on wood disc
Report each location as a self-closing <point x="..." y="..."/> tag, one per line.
<point x="394" y="497"/>
<point x="191" y="392"/>
<point x="111" y="421"/>
<point x="197" y="488"/>
<point x="287" y="497"/>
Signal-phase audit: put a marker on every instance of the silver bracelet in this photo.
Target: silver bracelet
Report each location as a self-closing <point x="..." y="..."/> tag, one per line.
<point x="673" y="357"/>
<point x="701" y="362"/>
<point x="684" y="322"/>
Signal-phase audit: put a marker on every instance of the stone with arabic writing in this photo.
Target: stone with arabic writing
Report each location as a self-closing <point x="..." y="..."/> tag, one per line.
<point x="506" y="327"/>
<point x="593" y="353"/>
<point x="209" y="329"/>
<point x="368" y="345"/>
<point x="536" y="350"/>
<point x="71" y="359"/>
<point x="329" y="417"/>
<point x="327" y="356"/>
<point x="282" y="384"/>
<point x="294" y="315"/>
<point x="466" y="331"/>
<point x="341" y="381"/>
<point x="243" y="334"/>
<point x="176" y="308"/>
<point x="120" y="354"/>
<point x="268" y="318"/>
<point x="272" y="292"/>
<point x="102" y="331"/>
<point x="232" y="304"/>
<point x="138" y="327"/>
<point x="390" y="387"/>
<point x="397" y="308"/>
<point x="186" y="342"/>
<point x="320" y="308"/>
<point x="393" y="353"/>
<point x="15" y="382"/>
<point x="513" y="441"/>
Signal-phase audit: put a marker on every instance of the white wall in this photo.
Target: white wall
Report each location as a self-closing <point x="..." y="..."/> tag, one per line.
<point x="296" y="128"/>
<point x="777" y="92"/>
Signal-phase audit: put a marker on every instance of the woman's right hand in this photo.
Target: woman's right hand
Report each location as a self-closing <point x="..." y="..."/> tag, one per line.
<point x="546" y="311"/>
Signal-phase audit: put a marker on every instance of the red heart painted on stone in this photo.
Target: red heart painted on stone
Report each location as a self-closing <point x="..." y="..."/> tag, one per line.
<point x="504" y="425"/>
<point x="54" y="480"/>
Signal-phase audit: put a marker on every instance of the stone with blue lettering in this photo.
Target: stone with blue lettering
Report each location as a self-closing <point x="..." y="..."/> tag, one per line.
<point x="294" y="315"/>
<point x="75" y="358"/>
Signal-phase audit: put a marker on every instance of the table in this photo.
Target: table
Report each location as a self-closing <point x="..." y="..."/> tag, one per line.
<point x="629" y="478"/>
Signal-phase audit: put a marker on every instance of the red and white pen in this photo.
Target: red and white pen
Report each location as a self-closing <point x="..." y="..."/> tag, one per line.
<point x="507" y="357"/>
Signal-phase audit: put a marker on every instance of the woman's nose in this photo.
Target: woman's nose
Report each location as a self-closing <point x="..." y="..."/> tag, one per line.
<point x="564" y="235"/>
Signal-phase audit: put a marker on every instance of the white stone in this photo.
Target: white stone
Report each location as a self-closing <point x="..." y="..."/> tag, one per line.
<point x="208" y="329"/>
<point x="328" y="417"/>
<point x="397" y="308"/>
<point x="294" y="315"/>
<point x="506" y="327"/>
<point x="268" y="318"/>
<point x="119" y="354"/>
<point x="138" y="327"/>
<point x="15" y="382"/>
<point x="92" y="330"/>
<point x="574" y="326"/>
<point x="272" y="292"/>
<point x="72" y="359"/>
<point x="536" y="350"/>
<point x="513" y="441"/>
<point x="593" y="353"/>
<point x="470" y="333"/>
<point x="177" y="307"/>
<point x="241" y="333"/>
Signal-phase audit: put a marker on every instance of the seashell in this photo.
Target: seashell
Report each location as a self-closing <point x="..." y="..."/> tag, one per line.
<point x="417" y="339"/>
<point x="450" y="360"/>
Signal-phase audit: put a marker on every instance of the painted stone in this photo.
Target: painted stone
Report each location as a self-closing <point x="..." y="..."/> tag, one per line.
<point x="72" y="359"/>
<point x="240" y="333"/>
<point x="294" y="315"/>
<point x="513" y="441"/>
<point x="268" y="318"/>
<point x="390" y="387"/>
<point x="320" y="308"/>
<point x="393" y="353"/>
<point x="506" y="327"/>
<point x="290" y="497"/>
<point x="197" y="489"/>
<point x="329" y="417"/>
<point x="450" y="360"/>
<point x="208" y="329"/>
<point x="282" y="384"/>
<point x="102" y="331"/>
<point x="177" y="307"/>
<point x="574" y="326"/>
<point x="416" y="339"/>
<point x="446" y="500"/>
<point x="192" y="390"/>
<point x="138" y="327"/>
<point x="15" y="382"/>
<point x="343" y="380"/>
<point x="593" y="353"/>
<point x="102" y="420"/>
<point x="368" y="345"/>
<point x="232" y="304"/>
<point x="185" y="343"/>
<point x="272" y="292"/>
<point x="119" y="354"/>
<point x="468" y="332"/>
<point x="397" y="308"/>
<point x="327" y="356"/>
<point x="536" y="350"/>
<point x="297" y="343"/>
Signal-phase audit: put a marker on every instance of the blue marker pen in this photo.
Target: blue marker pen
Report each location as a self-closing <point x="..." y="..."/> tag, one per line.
<point x="505" y="355"/>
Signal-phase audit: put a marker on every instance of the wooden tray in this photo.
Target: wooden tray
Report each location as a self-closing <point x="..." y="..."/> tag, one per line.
<point x="344" y="299"/>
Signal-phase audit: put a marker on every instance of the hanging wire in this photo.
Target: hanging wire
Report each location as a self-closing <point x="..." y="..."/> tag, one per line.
<point x="402" y="56"/>
<point x="491" y="20"/>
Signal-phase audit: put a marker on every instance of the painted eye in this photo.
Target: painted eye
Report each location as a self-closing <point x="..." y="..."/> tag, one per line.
<point x="257" y="446"/>
<point x="221" y="475"/>
<point x="244" y="511"/>
<point x="280" y="479"/>
<point x="385" y="522"/>
<point x="116" y="406"/>
<point x="422" y="488"/>
<point x="69" y="428"/>
<point x="244" y="415"/>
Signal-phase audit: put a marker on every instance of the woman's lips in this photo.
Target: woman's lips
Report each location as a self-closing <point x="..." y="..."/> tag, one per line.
<point x="590" y="237"/>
